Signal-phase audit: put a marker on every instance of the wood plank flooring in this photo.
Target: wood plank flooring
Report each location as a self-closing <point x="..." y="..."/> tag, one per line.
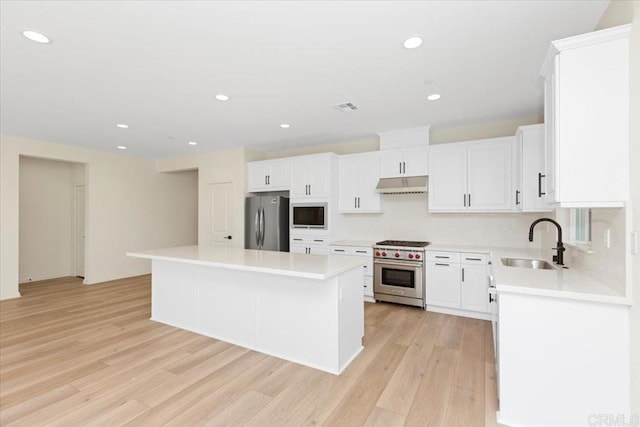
<point x="76" y="355"/>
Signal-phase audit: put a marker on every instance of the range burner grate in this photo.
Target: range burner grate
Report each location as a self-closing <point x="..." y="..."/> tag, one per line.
<point x="408" y="243"/>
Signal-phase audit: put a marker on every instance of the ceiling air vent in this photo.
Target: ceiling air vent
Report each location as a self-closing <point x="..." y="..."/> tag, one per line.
<point x="347" y="106"/>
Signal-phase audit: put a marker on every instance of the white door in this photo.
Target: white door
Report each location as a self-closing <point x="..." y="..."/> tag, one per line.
<point x="415" y="162"/>
<point x="447" y="179"/>
<point x="299" y="178"/>
<point x="348" y="171"/>
<point x="319" y="176"/>
<point x="443" y="284"/>
<point x="369" y="175"/>
<point x="489" y="176"/>
<point x="257" y="176"/>
<point x="220" y="213"/>
<point x="279" y="174"/>
<point x="475" y="288"/>
<point x="79" y="230"/>
<point x="391" y="163"/>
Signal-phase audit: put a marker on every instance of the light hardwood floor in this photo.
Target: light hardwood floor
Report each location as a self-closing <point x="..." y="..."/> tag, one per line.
<point x="89" y="355"/>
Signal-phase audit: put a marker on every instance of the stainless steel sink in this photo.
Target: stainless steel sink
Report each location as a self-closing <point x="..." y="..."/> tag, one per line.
<point x="536" y="264"/>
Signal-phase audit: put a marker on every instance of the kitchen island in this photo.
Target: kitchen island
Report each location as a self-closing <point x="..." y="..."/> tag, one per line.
<point x="304" y="308"/>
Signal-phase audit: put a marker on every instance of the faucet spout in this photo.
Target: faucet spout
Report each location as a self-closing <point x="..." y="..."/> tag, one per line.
<point x="559" y="258"/>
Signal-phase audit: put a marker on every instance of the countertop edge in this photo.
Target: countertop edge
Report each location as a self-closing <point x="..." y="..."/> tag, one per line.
<point x="268" y="270"/>
<point x="573" y="296"/>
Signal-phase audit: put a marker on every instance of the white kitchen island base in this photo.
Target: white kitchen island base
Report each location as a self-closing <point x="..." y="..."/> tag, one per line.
<point x="317" y="322"/>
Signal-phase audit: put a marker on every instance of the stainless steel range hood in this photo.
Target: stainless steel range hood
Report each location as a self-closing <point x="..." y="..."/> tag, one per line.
<point x="412" y="184"/>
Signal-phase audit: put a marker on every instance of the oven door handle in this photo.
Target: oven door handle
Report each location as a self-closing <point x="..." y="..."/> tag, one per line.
<point x="399" y="263"/>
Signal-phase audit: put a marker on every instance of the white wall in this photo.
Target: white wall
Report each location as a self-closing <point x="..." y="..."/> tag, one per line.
<point x="129" y="207"/>
<point x="219" y="166"/>
<point x="46" y="219"/>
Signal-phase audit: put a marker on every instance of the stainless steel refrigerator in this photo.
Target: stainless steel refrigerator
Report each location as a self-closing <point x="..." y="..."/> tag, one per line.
<point x="266" y="223"/>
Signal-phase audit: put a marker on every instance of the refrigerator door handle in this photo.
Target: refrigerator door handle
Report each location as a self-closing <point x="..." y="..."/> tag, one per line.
<point x="256" y="222"/>
<point x="261" y="227"/>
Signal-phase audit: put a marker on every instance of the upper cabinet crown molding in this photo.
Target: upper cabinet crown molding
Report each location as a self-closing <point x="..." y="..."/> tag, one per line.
<point x="587" y="119"/>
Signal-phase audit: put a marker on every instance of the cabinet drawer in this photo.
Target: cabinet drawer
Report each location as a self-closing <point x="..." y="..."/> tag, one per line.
<point x="469" y="258"/>
<point x="310" y="240"/>
<point x="450" y="257"/>
<point x="341" y="250"/>
<point x="362" y="251"/>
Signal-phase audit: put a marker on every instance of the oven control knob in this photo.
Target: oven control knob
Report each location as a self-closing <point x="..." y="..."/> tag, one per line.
<point x="377" y="253"/>
<point x="384" y="254"/>
<point x="397" y="255"/>
<point x="411" y="256"/>
<point x="417" y="256"/>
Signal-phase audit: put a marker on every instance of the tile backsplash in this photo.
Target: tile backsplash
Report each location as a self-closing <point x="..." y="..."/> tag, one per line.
<point x="405" y="217"/>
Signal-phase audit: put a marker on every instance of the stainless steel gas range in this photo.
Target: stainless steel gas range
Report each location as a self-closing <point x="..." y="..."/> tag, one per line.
<point x="398" y="272"/>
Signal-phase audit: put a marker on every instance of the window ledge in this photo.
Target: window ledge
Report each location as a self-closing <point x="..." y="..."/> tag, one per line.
<point x="580" y="246"/>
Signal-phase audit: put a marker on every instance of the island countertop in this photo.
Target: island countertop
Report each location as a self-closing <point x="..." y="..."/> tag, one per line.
<point x="283" y="263"/>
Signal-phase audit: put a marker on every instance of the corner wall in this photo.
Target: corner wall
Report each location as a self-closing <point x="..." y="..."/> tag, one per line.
<point x="129" y="207"/>
<point x="622" y="12"/>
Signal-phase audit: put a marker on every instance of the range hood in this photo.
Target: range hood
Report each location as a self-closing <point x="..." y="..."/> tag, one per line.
<point x="412" y="184"/>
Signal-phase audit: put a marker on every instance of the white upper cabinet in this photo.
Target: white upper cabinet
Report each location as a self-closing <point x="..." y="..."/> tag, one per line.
<point x="311" y="176"/>
<point x="531" y="174"/>
<point x="268" y="175"/>
<point x="587" y="119"/>
<point x="358" y="176"/>
<point x="404" y="152"/>
<point x="404" y="163"/>
<point x="471" y="176"/>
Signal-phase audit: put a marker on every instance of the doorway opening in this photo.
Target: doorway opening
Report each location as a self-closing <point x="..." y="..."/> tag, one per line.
<point x="52" y="206"/>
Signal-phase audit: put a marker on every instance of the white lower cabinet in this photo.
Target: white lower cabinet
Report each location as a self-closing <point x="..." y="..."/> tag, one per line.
<point x="309" y="244"/>
<point x="458" y="283"/>
<point x="364" y="252"/>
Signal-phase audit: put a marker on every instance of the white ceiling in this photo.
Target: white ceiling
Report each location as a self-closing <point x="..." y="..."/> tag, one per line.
<point x="157" y="66"/>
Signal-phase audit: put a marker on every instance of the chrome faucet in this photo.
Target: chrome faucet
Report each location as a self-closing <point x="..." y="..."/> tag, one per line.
<point x="558" y="259"/>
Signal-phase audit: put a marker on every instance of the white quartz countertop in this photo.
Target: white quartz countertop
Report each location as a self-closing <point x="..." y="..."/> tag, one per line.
<point x="284" y="263"/>
<point x="360" y="243"/>
<point x="571" y="283"/>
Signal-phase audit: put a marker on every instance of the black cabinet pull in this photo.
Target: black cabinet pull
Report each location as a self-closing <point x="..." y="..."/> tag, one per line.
<point x="473" y="259"/>
<point x="463" y="274"/>
<point x="443" y="257"/>
<point x="400" y="168"/>
<point x="469" y="199"/>
<point x="540" y="176"/>
<point x="443" y="265"/>
<point x="338" y="250"/>
<point x="517" y="197"/>
<point x="464" y="199"/>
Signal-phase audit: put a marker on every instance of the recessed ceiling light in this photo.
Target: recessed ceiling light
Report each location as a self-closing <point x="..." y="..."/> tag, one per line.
<point x="221" y="97"/>
<point x="285" y="126"/>
<point x="413" y="42"/>
<point x="122" y="126"/>
<point x="121" y="147"/>
<point x="433" y="97"/>
<point x="192" y="143"/>
<point x="36" y="36"/>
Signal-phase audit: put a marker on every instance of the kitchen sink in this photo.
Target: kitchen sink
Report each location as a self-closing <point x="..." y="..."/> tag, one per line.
<point x="536" y="264"/>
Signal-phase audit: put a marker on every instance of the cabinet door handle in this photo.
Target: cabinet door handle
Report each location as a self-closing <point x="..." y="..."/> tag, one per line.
<point x="355" y="202"/>
<point x="361" y="252"/>
<point x="491" y="298"/>
<point x="338" y="250"/>
<point x="400" y="168"/>
<point x="443" y="257"/>
<point x="469" y="199"/>
<point x="463" y="274"/>
<point x="404" y="168"/>
<point x="309" y="189"/>
<point x="358" y="202"/>
<point x="298" y="240"/>
<point x="443" y="265"/>
<point x="517" y="197"/>
<point x="540" y="176"/>
<point x="269" y="179"/>
<point x="464" y="200"/>
<point x="318" y="240"/>
<point x="473" y="259"/>
<point x="265" y="180"/>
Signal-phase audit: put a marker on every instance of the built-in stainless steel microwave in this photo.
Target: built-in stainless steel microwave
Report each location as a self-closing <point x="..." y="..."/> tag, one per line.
<point x="309" y="215"/>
